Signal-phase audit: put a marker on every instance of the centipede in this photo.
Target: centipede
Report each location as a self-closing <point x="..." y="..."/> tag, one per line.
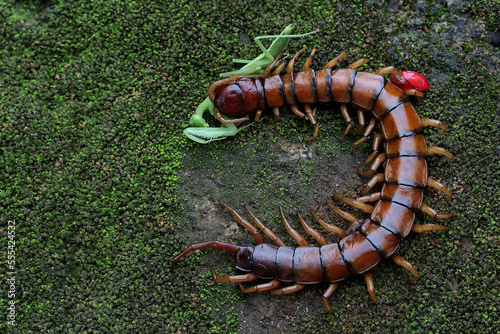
<point x="398" y="147"/>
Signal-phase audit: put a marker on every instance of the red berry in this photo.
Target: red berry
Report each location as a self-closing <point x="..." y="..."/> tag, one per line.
<point x="417" y="80"/>
<point x="401" y="82"/>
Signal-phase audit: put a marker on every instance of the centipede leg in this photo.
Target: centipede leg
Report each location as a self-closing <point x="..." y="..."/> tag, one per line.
<point x="310" y="117"/>
<point x="291" y="63"/>
<point x="276" y="112"/>
<point x="375" y="145"/>
<point x="373" y="181"/>
<point x="433" y="122"/>
<point x="438" y="150"/>
<point x="369" y="198"/>
<point x="439" y="186"/>
<point x="221" y="119"/>
<point x="309" y="60"/>
<point x="414" y="92"/>
<point x="274" y="238"/>
<point x="310" y="114"/>
<point x="254" y="231"/>
<point x="355" y="203"/>
<point x="296" y="111"/>
<point x="361" y="118"/>
<point x="258" y="115"/>
<point x="296" y="235"/>
<point x="261" y="287"/>
<point x="288" y="289"/>
<point x="387" y="70"/>
<point x="235" y="278"/>
<point x="335" y="60"/>
<point x="280" y="67"/>
<point x="376" y="164"/>
<point x="370" y="286"/>
<point x="344" y="214"/>
<point x="407" y="265"/>
<point x="315" y="133"/>
<point x="223" y="246"/>
<point x="312" y="232"/>
<point x="329" y="291"/>
<point x="268" y="69"/>
<point x="330" y="227"/>
<point x="345" y="114"/>
<point x="421" y="228"/>
<point x="368" y="130"/>
<point x="433" y="213"/>
<point x="358" y="63"/>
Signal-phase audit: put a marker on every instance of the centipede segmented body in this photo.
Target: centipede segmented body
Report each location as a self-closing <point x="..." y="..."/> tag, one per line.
<point x="404" y="176"/>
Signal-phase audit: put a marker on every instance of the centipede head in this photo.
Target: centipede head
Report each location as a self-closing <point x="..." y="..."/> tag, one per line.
<point x="410" y="80"/>
<point x="235" y="96"/>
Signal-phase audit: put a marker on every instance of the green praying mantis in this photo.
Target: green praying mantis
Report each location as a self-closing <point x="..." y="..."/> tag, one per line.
<point x="199" y="130"/>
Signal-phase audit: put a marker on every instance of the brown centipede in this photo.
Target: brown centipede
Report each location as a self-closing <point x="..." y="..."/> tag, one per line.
<point x="404" y="176"/>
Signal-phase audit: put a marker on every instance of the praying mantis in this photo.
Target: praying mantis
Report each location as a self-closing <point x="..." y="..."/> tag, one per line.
<point x="199" y="129"/>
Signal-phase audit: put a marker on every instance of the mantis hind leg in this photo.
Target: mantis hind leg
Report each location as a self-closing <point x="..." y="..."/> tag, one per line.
<point x="246" y="224"/>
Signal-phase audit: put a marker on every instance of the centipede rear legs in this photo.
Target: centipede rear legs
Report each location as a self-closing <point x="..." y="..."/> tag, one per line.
<point x="259" y="240"/>
<point x="274" y="284"/>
